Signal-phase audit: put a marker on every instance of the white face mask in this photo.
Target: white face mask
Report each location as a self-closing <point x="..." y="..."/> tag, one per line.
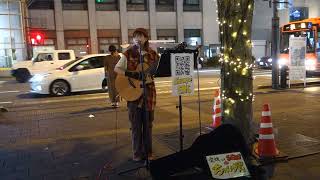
<point x="139" y="40"/>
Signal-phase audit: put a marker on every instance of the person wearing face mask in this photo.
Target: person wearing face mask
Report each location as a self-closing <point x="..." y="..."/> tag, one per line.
<point x="109" y="63"/>
<point x="141" y="114"/>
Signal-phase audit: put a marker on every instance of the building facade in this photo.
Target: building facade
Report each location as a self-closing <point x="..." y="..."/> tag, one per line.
<point x="90" y="26"/>
<point x="12" y="32"/>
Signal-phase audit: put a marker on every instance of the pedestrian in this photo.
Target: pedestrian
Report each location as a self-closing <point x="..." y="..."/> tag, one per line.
<point x="109" y="64"/>
<point x="141" y="115"/>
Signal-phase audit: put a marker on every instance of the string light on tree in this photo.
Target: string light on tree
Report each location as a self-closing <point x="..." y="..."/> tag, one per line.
<point x="236" y="59"/>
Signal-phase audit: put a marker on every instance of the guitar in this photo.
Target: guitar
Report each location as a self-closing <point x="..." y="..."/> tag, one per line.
<point x="131" y="89"/>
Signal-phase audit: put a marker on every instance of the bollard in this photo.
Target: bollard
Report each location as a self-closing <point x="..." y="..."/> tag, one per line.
<point x="284" y="77"/>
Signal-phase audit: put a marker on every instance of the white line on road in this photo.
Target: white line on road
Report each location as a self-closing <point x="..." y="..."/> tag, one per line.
<point x="9" y="102"/>
<point x="209" y="70"/>
<point x="4" y="92"/>
<point x="96" y="97"/>
<point x="167" y="85"/>
<point x="267" y="75"/>
<point x="162" y="81"/>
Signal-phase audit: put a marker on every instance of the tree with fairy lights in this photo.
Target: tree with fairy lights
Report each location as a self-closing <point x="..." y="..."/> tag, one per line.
<point x="235" y="20"/>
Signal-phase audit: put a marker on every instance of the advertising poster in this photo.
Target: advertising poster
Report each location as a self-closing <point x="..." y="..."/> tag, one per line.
<point x="182" y="74"/>
<point x="297" y="54"/>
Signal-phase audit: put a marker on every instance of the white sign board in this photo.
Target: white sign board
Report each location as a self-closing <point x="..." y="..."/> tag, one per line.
<point x="297" y="54"/>
<point x="182" y="74"/>
<point x="225" y="166"/>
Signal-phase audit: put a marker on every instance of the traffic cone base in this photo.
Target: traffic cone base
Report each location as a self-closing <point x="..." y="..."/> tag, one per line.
<point x="267" y="148"/>
<point x="216" y="122"/>
<point x="266" y="145"/>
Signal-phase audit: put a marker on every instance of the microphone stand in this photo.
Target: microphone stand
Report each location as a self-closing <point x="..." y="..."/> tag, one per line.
<point x="144" y="120"/>
<point x="144" y="110"/>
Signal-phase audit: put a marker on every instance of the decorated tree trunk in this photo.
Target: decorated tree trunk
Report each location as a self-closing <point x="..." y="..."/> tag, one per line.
<point x="235" y="20"/>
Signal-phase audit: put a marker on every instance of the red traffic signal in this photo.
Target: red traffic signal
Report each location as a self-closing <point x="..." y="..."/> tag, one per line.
<point x="36" y="38"/>
<point x="39" y="37"/>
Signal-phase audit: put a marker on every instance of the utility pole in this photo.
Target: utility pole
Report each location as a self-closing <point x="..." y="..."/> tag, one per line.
<point x="274" y="45"/>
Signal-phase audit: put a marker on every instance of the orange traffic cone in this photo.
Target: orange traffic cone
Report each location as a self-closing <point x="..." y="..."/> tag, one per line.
<point x="216" y="112"/>
<point x="266" y="144"/>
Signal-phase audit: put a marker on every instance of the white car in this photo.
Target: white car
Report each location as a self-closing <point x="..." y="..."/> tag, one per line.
<point x="84" y="74"/>
<point x="43" y="61"/>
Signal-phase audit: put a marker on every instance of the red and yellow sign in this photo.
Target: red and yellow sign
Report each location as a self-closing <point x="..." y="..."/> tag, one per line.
<point x="225" y="166"/>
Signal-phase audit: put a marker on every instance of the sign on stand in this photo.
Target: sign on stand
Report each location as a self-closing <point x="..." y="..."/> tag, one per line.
<point x="297" y="54"/>
<point x="226" y="166"/>
<point x="182" y="74"/>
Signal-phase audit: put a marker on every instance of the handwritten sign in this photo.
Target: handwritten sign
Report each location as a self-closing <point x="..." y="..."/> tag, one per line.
<point x="225" y="166"/>
<point x="182" y="74"/>
<point x="297" y="54"/>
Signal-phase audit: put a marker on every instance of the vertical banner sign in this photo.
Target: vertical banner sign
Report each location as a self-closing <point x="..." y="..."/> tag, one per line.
<point x="182" y="74"/>
<point x="297" y="54"/>
<point x="226" y="166"/>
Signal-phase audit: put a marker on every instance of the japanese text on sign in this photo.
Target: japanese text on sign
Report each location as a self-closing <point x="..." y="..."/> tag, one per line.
<point x="225" y="166"/>
<point x="182" y="74"/>
<point x="297" y="54"/>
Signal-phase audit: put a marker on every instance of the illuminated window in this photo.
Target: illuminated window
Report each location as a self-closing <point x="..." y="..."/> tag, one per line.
<point x="282" y="4"/>
<point x="12" y="43"/>
<point x="192" y="36"/>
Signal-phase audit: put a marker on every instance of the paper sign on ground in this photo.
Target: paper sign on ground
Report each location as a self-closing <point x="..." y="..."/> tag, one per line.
<point x="229" y="165"/>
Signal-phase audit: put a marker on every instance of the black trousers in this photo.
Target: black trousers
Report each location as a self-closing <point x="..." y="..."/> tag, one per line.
<point x="141" y="130"/>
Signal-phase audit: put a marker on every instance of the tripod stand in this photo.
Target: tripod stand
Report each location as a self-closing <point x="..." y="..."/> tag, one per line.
<point x="145" y="119"/>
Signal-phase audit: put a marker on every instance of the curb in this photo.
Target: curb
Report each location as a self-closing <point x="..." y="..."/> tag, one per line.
<point x="5" y="72"/>
<point x="292" y="85"/>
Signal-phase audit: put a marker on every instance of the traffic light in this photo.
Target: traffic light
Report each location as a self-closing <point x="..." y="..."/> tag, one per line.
<point x="36" y="38"/>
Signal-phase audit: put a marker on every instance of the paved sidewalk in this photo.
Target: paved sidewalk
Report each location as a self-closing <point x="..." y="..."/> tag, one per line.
<point x="295" y="115"/>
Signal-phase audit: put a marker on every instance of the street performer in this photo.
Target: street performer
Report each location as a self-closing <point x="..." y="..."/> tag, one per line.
<point x="141" y="115"/>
